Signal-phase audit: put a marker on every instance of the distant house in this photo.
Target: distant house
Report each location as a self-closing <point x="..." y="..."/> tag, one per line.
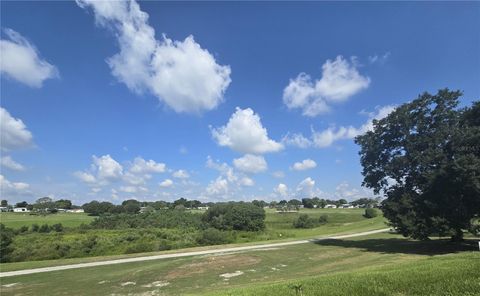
<point x="330" y="206"/>
<point x="20" y="210"/>
<point x="347" y="206"/>
<point x="75" y="211"/>
<point x="3" y="209"/>
<point x="202" y="208"/>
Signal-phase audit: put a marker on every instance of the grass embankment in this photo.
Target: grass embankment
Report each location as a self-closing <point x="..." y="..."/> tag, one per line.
<point x="382" y="264"/>
<point x="17" y="220"/>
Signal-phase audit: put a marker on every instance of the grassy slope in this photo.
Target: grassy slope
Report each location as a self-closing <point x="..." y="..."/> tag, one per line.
<point x="17" y="220"/>
<point x="384" y="262"/>
<point x="453" y="274"/>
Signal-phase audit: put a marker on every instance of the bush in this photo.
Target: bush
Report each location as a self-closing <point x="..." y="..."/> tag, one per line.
<point x="6" y="238"/>
<point x="323" y="219"/>
<point x="35" y="227"/>
<point x="304" y="221"/>
<point x="212" y="236"/>
<point x="23" y="229"/>
<point x="370" y="213"/>
<point x="235" y="216"/>
<point x="44" y="228"/>
<point x="57" y="227"/>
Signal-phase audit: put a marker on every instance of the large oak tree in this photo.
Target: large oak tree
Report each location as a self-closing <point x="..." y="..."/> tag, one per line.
<point x="425" y="158"/>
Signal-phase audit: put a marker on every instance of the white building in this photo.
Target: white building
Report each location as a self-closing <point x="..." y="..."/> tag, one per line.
<point x="330" y="206"/>
<point x="20" y="210"/>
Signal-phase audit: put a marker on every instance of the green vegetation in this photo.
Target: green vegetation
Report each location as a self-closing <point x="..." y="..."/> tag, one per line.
<point x="381" y="264"/>
<point x="174" y="229"/>
<point x="17" y="220"/>
<point x="425" y="157"/>
<point x="304" y="221"/>
<point x="370" y="213"/>
<point x="235" y="216"/>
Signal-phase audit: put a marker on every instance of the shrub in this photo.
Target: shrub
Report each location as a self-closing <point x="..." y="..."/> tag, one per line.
<point x="44" y="228"/>
<point x="57" y="227"/>
<point x="6" y="238"/>
<point x="212" y="236"/>
<point x="370" y="213"/>
<point x="304" y="221"/>
<point x="23" y="229"/>
<point x="323" y="219"/>
<point x="35" y="227"/>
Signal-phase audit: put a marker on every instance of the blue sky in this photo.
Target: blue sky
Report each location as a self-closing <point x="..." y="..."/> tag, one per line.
<point x="214" y="101"/>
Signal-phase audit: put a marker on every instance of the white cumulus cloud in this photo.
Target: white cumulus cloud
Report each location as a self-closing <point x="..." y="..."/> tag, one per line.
<point x="306" y="188"/>
<point x="306" y="164"/>
<point x="340" y="80"/>
<point x="281" y="190"/>
<point x="181" y="174"/>
<point x="13" y="132"/>
<point x="8" y="162"/>
<point x="245" y="133"/>
<point x="20" y="61"/>
<point x="166" y="183"/>
<point x="330" y="135"/>
<point x="250" y="164"/>
<point x="8" y="188"/>
<point x="181" y="74"/>
<point x="142" y="166"/>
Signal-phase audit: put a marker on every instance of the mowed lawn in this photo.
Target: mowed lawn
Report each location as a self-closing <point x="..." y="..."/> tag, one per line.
<point x="17" y="220"/>
<point x="381" y="264"/>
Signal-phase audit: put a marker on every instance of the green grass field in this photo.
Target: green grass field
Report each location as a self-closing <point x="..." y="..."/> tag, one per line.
<point x="382" y="264"/>
<point x="17" y="220"/>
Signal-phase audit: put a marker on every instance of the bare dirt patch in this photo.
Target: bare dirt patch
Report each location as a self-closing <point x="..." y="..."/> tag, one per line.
<point x="157" y="284"/>
<point x="127" y="284"/>
<point x="232" y="274"/>
<point x="212" y="264"/>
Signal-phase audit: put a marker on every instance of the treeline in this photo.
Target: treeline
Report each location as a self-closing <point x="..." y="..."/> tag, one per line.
<point x="317" y="202"/>
<point x="132" y="206"/>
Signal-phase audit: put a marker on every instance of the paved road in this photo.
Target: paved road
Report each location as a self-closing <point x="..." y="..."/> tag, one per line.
<point x="183" y="254"/>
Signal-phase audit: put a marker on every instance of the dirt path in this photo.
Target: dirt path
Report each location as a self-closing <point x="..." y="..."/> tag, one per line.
<point x="182" y="254"/>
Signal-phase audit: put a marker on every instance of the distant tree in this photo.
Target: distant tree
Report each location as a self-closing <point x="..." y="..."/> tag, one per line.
<point x="235" y="216"/>
<point x="425" y="157"/>
<point x="321" y="203"/>
<point x="131" y="206"/>
<point x="307" y="203"/>
<point x="4" y="203"/>
<point x="63" y="204"/>
<point x="342" y="201"/>
<point x="95" y="208"/>
<point x="22" y="204"/>
<point x="181" y="201"/>
<point x="295" y="202"/>
<point x="283" y="202"/>
<point x="259" y="203"/>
